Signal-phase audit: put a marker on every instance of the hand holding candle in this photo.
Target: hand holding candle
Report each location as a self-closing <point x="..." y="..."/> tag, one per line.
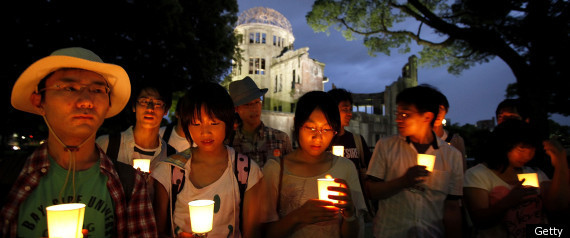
<point x="142" y="164"/>
<point x="323" y="184"/>
<point x="201" y="216"/>
<point x="530" y="179"/>
<point x="426" y="160"/>
<point x="65" y="220"/>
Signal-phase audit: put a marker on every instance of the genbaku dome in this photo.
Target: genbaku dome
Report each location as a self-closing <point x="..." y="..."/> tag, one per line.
<point x="267" y="53"/>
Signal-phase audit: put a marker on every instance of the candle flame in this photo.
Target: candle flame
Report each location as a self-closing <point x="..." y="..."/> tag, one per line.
<point x="328" y="176"/>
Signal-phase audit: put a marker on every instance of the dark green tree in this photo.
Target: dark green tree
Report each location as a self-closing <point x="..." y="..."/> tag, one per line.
<point x="530" y="36"/>
<point x="176" y="42"/>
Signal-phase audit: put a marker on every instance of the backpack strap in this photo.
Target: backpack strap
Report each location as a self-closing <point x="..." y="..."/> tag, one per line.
<point x="177" y="181"/>
<point x="358" y="142"/>
<point x="126" y="172"/>
<point x="449" y="137"/>
<point x="127" y="176"/>
<point x="170" y="150"/>
<point x="168" y="132"/>
<point x="241" y="171"/>
<point x="113" y="146"/>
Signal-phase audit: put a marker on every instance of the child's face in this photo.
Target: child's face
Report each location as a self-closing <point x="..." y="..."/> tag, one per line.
<point x="520" y="155"/>
<point x="208" y="133"/>
<point x="316" y="134"/>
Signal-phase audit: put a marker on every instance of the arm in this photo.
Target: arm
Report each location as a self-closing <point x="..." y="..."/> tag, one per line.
<point x="485" y="215"/>
<point x="313" y="211"/>
<point x="349" y="226"/>
<point x="251" y="210"/>
<point x="160" y="204"/>
<point x="557" y="194"/>
<point x="380" y="189"/>
<point x="452" y="218"/>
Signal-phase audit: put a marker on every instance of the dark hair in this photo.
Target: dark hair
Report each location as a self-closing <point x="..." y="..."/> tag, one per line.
<point x="424" y="97"/>
<point x="340" y="95"/>
<point x="162" y="90"/>
<point x="216" y="100"/>
<point x="311" y="101"/>
<point x="504" y="138"/>
<point x="513" y="106"/>
<point x="442" y="99"/>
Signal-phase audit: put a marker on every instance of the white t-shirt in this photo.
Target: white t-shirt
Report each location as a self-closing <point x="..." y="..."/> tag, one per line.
<point x="515" y="219"/>
<point x="224" y="192"/>
<point x="178" y="142"/>
<point x="295" y="191"/>
<point x="414" y="212"/>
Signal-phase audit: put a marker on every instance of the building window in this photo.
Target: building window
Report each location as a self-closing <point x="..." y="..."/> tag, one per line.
<point x="276" y="87"/>
<point x="275" y="108"/>
<point x="283" y="42"/>
<point x="274" y="40"/>
<point x="263" y="38"/>
<point x="280" y="83"/>
<point x="257" y="36"/>
<point x="280" y="108"/>
<point x="257" y="66"/>
<point x="293" y="107"/>
<point x="250" y="65"/>
<point x="293" y="81"/>
<point x="251" y="38"/>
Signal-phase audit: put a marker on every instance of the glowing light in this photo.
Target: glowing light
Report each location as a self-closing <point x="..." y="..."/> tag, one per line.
<point x="142" y="164"/>
<point x="201" y="215"/>
<point x="444" y="122"/>
<point x="426" y="160"/>
<point x="323" y="184"/>
<point x="530" y="179"/>
<point x="16" y="147"/>
<point x="338" y="150"/>
<point x="65" y="220"/>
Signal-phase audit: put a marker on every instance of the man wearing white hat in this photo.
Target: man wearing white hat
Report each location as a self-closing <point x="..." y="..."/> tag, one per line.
<point x="252" y="137"/>
<point x="74" y="91"/>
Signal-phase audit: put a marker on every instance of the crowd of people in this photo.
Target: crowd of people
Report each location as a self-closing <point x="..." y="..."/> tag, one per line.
<point x="219" y="149"/>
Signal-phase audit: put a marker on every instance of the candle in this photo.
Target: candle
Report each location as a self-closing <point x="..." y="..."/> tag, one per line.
<point x="338" y="150"/>
<point x="65" y="220"/>
<point x="323" y="184"/>
<point x="201" y="215"/>
<point x="142" y="164"/>
<point x="531" y="179"/>
<point x="426" y="160"/>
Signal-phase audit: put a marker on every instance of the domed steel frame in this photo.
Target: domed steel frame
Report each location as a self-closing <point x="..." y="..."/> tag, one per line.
<point x="264" y="15"/>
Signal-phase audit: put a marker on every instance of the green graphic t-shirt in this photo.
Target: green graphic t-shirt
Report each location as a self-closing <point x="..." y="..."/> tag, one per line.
<point x="90" y="189"/>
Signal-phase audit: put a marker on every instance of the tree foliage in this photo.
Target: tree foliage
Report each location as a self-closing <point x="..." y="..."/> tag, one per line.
<point x="531" y="36"/>
<point x="174" y="42"/>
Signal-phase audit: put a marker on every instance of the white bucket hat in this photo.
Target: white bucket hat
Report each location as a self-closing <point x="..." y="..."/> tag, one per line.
<point x="74" y="57"/>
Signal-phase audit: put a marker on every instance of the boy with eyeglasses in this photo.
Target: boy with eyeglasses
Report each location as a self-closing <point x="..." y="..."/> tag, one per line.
<point x="74" y="91"/>
<point x="414" y="202"/>
<point x="252" y="137"/>
<point x="150" y="103"/>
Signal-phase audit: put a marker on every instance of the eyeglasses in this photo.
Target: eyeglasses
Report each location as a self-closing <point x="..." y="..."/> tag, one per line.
<point x="144" y="102"/>
<point x="324" y="131"/>
<point x="404" y="115"/>
<point x="253" y="104"/>
<point x="75" y="89"/>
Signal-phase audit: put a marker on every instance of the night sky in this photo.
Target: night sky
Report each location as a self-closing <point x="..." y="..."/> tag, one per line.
<point x="473" y="95"/>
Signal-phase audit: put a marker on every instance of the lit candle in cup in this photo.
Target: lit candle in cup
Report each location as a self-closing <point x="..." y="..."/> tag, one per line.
<point x="427" y="161"/>
<point x="323" y="184"/>
<point x="201" y="216"/>
<point x="530" y="179"/>
<point x="142" y="164"/>
<point x="65" y="220"/>
<point x="338" y="150"/>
